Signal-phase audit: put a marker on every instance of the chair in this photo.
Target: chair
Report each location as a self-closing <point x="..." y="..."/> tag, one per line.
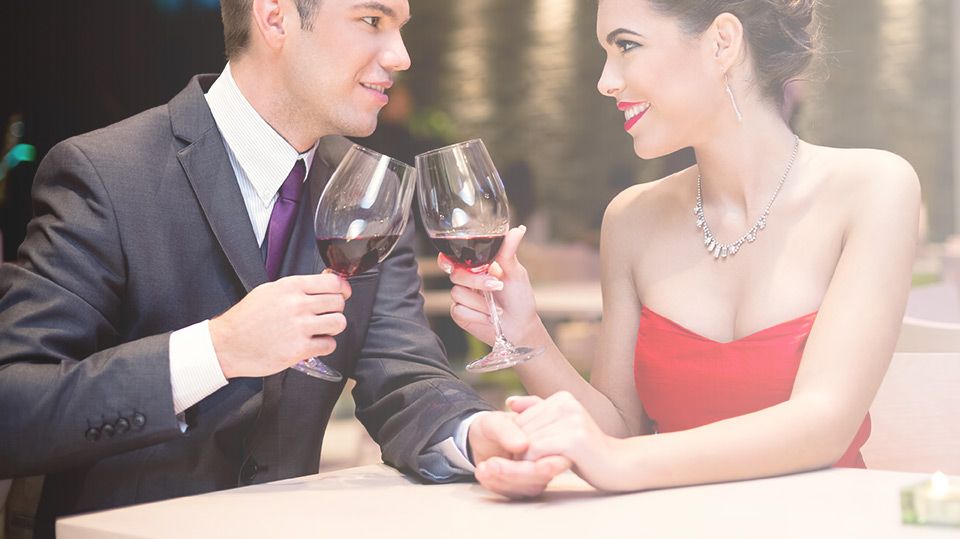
<point x="938" y="302"/>
<point x="927" y="336"/>
<point x="915" y="415"/>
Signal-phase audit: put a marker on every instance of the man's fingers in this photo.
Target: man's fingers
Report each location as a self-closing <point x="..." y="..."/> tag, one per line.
<point x="519" y="478"/>
<point x="321" y="345"/>
<point x="503" y="432"/>
<point x="327" y="324"/>
<point x="321" y="283"/>
<point x="325" y="303"/>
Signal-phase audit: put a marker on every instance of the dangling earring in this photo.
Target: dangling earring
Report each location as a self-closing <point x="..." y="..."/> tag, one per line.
<point x="733" y="100"/>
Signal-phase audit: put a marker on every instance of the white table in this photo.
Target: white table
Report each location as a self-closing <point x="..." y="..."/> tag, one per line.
<point x="378" y="502"/>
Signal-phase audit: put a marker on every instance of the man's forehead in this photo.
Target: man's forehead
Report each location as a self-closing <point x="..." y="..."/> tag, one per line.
<point x="398" y="9"/>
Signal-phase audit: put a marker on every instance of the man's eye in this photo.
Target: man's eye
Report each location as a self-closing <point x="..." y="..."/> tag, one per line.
<point x="372" y="21"/>
<point x="625" y="45"/>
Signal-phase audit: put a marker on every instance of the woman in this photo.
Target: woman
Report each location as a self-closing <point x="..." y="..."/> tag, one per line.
<point x="751" y="302"/>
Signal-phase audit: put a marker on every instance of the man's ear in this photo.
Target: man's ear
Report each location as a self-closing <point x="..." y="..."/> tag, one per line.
<point x="726" y="39"/>
<point x="270" y="21"/>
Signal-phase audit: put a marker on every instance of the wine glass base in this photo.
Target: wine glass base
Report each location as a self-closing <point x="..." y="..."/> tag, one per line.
<point x="317" y="369"/>
<point x="504" y="358"/>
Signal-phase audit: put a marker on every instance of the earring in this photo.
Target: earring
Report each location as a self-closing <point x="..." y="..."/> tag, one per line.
<point x="733" y="100"/>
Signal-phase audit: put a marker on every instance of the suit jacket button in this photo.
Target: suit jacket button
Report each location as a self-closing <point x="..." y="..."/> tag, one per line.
<point x="249" y="471"/>
<point x="92" y="434"/>
<point x="139" y="420"/>
<point x="123" y="425"/>
<point x="108" y="430"/>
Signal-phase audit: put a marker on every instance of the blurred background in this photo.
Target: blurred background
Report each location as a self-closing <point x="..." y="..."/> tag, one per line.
<point x="521" y="75"/>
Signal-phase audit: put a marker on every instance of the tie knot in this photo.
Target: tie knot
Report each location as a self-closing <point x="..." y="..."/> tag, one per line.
<point x="290" y="189"/>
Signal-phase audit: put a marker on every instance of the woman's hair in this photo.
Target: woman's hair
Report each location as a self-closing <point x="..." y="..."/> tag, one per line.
<point x="782" y="35"/>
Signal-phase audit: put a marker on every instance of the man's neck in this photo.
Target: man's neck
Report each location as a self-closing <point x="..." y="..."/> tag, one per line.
<point x="261" y="88"/>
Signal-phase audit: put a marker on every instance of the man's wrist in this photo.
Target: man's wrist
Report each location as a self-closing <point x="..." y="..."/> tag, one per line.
<point x="215" y="327"/>
<point x="462" y="436"/>
<point x="195" y="372"/>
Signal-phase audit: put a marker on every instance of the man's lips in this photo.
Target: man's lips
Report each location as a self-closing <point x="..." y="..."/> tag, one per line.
<point x="378" y="90"/>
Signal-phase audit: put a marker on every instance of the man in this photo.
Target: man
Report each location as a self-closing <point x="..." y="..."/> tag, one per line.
<point x="147" y="333"/>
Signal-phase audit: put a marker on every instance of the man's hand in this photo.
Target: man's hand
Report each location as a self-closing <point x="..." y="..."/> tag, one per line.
<point x="280" y="323"/>
<point x="497" y="444"/>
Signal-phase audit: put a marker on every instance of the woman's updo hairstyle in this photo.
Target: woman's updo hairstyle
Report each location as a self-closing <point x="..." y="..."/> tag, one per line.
<point x="782" y="35"/>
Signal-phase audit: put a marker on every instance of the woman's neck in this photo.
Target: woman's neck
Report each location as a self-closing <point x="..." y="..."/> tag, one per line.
<point x="742" y="162"/>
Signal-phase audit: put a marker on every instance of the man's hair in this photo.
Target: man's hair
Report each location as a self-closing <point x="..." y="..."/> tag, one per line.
<point x="236" y="16"/>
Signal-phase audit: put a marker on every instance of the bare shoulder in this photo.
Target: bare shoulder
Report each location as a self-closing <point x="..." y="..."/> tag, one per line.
<point x="864" y="183"/>
<point x="646" y="202"/>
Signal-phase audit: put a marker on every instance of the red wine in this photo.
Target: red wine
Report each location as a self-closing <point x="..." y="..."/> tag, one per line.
<point x="350" y="257"/>
<point x="469" y="251"/>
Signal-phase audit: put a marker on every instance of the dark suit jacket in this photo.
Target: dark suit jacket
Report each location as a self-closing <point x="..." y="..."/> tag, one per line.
<point x="140" y="230"/>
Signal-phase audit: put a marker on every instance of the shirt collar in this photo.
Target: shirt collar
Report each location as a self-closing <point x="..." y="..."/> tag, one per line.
<point x="264" y="156"/>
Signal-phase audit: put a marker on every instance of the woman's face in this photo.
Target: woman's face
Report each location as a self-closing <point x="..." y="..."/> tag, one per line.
<point x="667" y="83"/>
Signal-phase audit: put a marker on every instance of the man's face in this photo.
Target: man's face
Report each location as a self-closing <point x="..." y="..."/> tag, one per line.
<point x="337" y="73"/>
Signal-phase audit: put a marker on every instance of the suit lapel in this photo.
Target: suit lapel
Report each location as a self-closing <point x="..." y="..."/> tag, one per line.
<point x="205" y="162"/>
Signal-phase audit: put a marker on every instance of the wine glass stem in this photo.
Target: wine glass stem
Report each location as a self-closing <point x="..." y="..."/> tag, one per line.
<point x="495" y="316"/>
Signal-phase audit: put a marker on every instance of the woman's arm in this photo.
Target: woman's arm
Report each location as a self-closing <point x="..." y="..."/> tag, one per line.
<point x="610" y="396"/>
<point x="844" y="361"/>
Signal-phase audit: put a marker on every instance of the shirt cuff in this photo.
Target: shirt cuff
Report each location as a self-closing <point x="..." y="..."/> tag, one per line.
<point x="455" y="449"/>
<point x="195" y="370"/>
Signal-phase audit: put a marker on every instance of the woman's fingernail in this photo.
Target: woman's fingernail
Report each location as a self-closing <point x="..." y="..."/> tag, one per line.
<point x="446" y="268"/>
<point x="523" y="228"/>
<point x="493" y="284"/>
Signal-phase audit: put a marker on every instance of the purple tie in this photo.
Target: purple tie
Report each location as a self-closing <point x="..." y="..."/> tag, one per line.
<point x="282" y="218"/>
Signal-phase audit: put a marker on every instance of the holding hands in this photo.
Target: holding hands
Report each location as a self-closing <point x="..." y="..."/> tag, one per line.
<point x="519" y="452"/>
<point x="545" y="437"/>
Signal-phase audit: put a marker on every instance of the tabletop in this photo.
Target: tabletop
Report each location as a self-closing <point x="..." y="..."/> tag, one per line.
<point x="377" y="501"/>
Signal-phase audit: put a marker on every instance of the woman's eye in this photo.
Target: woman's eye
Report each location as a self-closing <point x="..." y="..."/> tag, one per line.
<point x="372" y="21"/>
<point x="625" y="45"/>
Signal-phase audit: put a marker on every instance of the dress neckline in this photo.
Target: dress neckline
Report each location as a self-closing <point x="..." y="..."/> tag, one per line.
<point x="644" y="310"/>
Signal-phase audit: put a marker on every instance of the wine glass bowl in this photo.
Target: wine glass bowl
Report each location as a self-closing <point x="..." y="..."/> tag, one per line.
<point x="464" y="210"/>
<point x="360" y="217"/>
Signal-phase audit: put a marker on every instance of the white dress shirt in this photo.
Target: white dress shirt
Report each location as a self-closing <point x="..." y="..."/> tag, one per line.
<point x="261" y="160"/>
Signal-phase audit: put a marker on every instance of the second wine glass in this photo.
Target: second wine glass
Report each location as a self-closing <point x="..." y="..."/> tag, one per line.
<point x="465" y="212"/>
<point x="360" y="217"/>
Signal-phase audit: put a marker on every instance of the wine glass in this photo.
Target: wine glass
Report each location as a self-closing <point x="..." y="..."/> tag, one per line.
<point x="464" y="209"/>
<point x="360" y="216"/>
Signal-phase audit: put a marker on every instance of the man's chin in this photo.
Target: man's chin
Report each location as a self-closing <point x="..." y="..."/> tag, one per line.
<point x="361" y="129"/>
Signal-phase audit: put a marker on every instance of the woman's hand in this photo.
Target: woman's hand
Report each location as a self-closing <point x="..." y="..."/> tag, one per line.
<point x="560" y="425"/>
<point x="513" y="294"/>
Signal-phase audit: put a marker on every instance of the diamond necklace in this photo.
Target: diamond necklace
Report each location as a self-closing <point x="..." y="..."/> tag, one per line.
<point x="721" y="251"/>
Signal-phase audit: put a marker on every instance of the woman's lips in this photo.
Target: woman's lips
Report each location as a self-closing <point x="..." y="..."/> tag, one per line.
<point x="633" y="112"/>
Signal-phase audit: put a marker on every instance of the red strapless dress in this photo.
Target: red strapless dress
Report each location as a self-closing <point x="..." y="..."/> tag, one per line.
<point x="686" y="380"/>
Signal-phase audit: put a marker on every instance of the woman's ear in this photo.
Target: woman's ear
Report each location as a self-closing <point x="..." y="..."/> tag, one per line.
<point x="727" y="40"/>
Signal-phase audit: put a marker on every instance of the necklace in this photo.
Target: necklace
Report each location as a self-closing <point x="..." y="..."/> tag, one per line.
<point x="721" y="251"/>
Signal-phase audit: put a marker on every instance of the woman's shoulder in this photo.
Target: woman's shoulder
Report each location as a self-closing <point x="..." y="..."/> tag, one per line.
<point x="648" y="199"/>
<point x="864" y="170"/>
<point x="869" y="183"/>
